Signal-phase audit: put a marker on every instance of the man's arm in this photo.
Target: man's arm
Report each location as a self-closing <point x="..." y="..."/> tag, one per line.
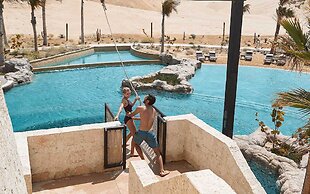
<point x="137" y="111"/>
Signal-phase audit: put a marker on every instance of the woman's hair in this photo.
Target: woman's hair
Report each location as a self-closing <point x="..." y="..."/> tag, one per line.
<point x="125" y="89"/>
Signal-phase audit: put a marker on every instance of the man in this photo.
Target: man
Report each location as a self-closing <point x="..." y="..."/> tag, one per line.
<point x="147" y="116"/>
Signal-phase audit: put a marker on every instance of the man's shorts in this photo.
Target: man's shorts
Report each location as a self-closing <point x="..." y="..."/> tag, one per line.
<point x="147" y="136"/>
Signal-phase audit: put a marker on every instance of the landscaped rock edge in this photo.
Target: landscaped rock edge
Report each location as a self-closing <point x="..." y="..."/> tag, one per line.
<point x="182" y="70"/>
<point x="291" y="176"/>
<point x="17" y="71"/>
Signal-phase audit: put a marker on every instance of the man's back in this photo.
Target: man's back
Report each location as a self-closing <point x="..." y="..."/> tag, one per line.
<point x="147" y="115"/>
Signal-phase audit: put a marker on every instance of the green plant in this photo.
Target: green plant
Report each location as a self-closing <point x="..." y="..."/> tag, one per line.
<point x="277" y="117"/>
<point x="282" y="147"/>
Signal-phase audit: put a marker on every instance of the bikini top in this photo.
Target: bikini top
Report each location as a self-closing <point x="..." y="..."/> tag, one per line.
<point x="129" y="106"/>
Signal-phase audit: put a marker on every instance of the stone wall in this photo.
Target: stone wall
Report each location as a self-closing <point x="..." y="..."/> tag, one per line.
<point x="190" y="139"/>
<point x="11" y="175"/>
<point x="64" y="152"/>
<point x="143" y="180"/>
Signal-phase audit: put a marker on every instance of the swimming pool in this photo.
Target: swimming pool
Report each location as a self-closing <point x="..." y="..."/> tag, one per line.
<point x="76" y="97"/>
<point x="104" y="56"/>
<point x="266" y="177"/>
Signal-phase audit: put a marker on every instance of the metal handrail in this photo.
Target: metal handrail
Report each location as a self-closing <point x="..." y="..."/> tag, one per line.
<point x="107" y="111"/>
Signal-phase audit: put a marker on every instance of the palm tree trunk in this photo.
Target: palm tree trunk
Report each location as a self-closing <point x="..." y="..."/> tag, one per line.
<point x="162" y="34"/>
<point x="33" y="22"/>
<point x="6" y="43"/>
<point x="276" y="34"/>
<point x="44" y="23"/>
<point x="1" y="36"/>
<point x="82" y="22"/>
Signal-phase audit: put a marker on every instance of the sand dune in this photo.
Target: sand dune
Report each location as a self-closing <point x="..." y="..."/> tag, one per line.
<point x="192" y="17"/>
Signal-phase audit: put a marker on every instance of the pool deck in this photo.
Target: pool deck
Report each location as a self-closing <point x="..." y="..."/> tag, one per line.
<point x="113" y="182"/>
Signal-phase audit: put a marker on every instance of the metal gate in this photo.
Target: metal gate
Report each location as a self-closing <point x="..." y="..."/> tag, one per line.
<point x="114" y="139"/>
<point x="161" y="133"/>
<point x="114" y="151"/>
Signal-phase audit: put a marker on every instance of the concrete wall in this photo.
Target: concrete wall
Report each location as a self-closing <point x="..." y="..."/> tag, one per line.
<point x="101" y="48"/>
<point x="143" y="180"/>
<point x="61" y="57"/>
<point x="94" y="65"/>
<point x="141" y="54"/>
<point x="64" y="152"/>
<point x="190" y="139"/>
<point x="11" y="174"/>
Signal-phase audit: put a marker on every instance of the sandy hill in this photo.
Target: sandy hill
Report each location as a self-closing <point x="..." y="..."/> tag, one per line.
<point x="153" y="5"/>
<point x="131" y="16"/>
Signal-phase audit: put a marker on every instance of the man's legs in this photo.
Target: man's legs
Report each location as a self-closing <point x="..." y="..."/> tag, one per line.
<point x="159" y="158"/>
<point x="139" y="150"/>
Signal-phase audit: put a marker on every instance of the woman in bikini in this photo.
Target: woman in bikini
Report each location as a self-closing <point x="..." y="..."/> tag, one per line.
<point x="128" y="105"/>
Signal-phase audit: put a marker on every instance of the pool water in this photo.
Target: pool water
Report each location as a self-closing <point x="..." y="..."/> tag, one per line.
<point x="106" y="56"/>
<point x="76" y="97"/>
<point x="266" y="177"/>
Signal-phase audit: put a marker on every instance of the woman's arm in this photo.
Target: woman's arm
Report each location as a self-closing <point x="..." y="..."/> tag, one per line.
<point x="136" y="118"/>
<point x="136" y="99"/>
<point x="121" y="106"/>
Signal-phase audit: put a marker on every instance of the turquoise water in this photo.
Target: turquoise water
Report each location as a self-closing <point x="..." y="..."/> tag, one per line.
<point x="77" y="97"/>
<point x="266" y="177"/>
<point x="106" y="56"/>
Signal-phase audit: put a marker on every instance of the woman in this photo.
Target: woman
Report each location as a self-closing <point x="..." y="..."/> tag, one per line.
<point x="127" y="105"/>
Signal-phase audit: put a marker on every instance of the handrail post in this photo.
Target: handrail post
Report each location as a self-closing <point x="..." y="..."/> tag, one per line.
<point x="124" y="147"/>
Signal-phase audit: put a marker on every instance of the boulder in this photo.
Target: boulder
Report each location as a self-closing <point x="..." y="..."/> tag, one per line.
<point x="20" y="71"/>
<point x="168" y="59"/>
<point x="172" y="78"/>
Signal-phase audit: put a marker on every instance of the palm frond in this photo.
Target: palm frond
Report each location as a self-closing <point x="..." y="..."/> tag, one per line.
<point x="34" y="3"/>
<point x="298" y="98"/>
<point x="168" y="6"/>
<point x="284" y="2"/>
<point x="296" y="44"/>
<point x="307" y="126"/>
<point x="284" y="12"/>
<point x="246" y="8"/>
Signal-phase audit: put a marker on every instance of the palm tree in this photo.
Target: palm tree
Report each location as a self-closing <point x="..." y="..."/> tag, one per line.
<point x="82" y="22"/>
<point x="246" y="8"/>
<point x="43" y="5"/>
<point x="282" y="12"/>
<point x="296" y="44"/>
<point x="34" y="4"/>
<point x="167" y="7"/>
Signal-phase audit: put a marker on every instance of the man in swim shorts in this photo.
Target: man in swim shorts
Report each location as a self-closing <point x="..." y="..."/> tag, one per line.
<point x="147" y="116"/>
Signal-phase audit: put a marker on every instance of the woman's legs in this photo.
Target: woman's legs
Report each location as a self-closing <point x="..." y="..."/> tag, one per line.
<point x="132" y="128"/>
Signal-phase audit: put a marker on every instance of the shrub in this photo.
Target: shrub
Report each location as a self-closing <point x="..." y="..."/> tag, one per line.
<point x="147" y="40"/>
<point x="193" y="36"/>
